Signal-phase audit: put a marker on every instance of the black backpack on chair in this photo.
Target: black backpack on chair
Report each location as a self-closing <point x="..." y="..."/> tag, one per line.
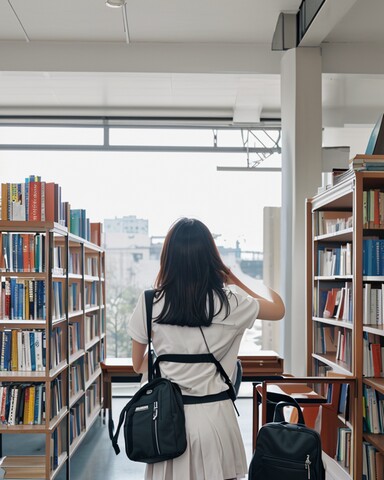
<point x="287" y="451"/>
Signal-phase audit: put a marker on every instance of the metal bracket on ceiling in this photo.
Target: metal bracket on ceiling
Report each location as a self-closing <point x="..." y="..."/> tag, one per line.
<point x="19" y="21"/>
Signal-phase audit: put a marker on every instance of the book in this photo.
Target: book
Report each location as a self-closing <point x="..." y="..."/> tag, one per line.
<point x="331" y="303"/>
<point x="34" y="201"/>
<point x="343" y="405"/>
<point x="96" y="233"/>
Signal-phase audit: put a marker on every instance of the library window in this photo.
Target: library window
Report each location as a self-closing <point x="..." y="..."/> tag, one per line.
<point x="143" y="180"/>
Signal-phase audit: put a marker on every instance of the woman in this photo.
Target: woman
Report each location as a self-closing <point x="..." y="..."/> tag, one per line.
<point x="195" y="289"/>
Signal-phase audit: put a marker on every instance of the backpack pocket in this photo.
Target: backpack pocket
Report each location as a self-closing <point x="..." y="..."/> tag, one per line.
<point x="278" y="468"/>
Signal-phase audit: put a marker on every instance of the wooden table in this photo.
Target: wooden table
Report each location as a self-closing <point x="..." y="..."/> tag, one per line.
<point x="265" y="364"/>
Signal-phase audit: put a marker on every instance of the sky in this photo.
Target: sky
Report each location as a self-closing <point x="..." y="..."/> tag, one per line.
<point x="160" y="187"/>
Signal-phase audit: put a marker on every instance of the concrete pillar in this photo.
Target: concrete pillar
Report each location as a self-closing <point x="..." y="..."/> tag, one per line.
<point x="301" y="175"/>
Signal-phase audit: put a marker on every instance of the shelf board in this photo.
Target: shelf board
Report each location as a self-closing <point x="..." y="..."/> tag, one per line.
<point x="338" y="197"/>
<point x="58" y="418"/>
<point x="374" y="278"/>
<point x="333" y="321"/>
<point x="75" y="398"/>
<point x="376" y="383"/>
<point x="61" y="461"/>
<point x="75" y="276"/>
<point x="58" y="369"/>
<point x="341" y="236"/>
<point x="75" y="313"/>
<point x="337" y="365"/>
<point x="91" y="278"/>
<point x="93" y="377"/>
<point x="76" y="241"/>
<point x="92" y="416"/>
<point x="24" y="323"/>
<point x="23" y="376"/>
<point x="376" y="440"/>
<point x="23" y="428"/>
<point x="57" y="321"/>
<point x="33" y="275"/>
<point x="335" y="469"/>
<point x="340" y="278"/>
<point x="76" y="442"/>
<point x="31" y="466"/>
<point x="93" y="342"/>
<point x="75" y="356"/>
<point x="59" y="276"/>
<point x="93" y="308"/>
<point x="375" y="329"/>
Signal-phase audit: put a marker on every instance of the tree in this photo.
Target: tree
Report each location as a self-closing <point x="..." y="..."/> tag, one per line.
<point x="121" y="301"/>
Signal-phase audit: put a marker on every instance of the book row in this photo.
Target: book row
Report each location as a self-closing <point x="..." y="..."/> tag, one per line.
<point x="91" y="264"/>
<point x="373" y="302"/>
<point x="373" y="410"/>
<point x="343" y="449"/>
<point x="373" y="208"/>
<point x="22" y="299"/>
<point x="91" y="362"/>
<point x="76" y="421"/>
<point x="74" y="331"/>
<point x="57" y="347"/>
<point x="22" y="404"/>
<point x="334" y="341"/>
<point x="373" y="355"/>
<point x="37" y="200"/>
<point x="373" y="463"/>
<point x="91" y="326"/>
<point x="76" y="378"/>
<point x="344" y="347"/>
<point x="334" y="260"/>
<point x="22" y="252"/>
<point x="373" y="257"/>
<point x="93" y="397"/>
<point x="91" y="294"/>
<point x="23" y="350"/>
<point x="332" y="222"/>
<point x="32" y="200"/>
<point x="336" y="302"/>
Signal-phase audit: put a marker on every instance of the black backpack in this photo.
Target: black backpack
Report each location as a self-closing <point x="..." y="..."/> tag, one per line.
<point x="286" y="450"/>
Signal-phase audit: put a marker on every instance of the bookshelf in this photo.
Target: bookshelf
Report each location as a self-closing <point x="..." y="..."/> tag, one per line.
<point x="345" y="309"/>
<point x="52" y="338"/>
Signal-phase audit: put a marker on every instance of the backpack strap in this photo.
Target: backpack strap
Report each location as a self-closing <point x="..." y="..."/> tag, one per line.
<point x="149" y="296"/>
<point x="116" y="436"/>
<point x="199" y="358"/>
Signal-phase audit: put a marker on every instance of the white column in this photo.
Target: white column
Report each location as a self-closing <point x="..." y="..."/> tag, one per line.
<point x="301" y="175"/>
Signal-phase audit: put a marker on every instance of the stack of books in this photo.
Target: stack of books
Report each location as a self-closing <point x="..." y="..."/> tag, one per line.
<point x="367" y="162"/>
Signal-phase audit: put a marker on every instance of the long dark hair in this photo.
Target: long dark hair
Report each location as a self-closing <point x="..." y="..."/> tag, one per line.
<point x="191" y="272"/>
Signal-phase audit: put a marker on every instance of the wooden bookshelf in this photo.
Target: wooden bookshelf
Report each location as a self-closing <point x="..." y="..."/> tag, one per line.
<point x="356" y="196"/>
<point x="72" y="273"/>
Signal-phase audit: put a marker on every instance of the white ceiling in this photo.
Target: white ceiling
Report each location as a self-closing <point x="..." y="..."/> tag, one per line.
<point x="200" y="58"/>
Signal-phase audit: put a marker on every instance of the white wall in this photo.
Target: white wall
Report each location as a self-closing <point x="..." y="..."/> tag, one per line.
<point x="354" y="137"/>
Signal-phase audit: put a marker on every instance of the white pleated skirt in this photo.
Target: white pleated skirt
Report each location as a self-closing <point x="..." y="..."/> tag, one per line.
<point x="215" y="449"/>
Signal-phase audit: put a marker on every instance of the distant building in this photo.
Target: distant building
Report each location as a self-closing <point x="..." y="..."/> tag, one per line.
<point x="134" y="258"/>
<point x="130" y="224"/>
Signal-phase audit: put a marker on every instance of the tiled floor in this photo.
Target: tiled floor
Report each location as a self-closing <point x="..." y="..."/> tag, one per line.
<point x="96" y="459"/>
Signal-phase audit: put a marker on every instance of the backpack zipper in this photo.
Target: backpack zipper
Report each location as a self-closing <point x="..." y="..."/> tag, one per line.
<point x="154" y="417"/>
<point x="308" y="466"/>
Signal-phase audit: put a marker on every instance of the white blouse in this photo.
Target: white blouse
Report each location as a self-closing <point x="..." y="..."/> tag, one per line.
<point x="223" y="337"/>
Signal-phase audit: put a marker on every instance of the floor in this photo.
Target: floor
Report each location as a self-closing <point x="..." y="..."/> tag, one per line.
<point x="96" y="459"/>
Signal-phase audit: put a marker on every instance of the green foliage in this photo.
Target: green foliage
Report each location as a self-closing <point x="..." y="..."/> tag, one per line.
<point x="121" y="301"/>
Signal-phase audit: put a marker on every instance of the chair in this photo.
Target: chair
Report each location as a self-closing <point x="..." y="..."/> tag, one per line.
<point x="300" y="396"/>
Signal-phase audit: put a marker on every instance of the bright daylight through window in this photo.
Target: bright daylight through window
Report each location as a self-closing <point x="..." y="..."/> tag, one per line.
<point x="145" y="180"/>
